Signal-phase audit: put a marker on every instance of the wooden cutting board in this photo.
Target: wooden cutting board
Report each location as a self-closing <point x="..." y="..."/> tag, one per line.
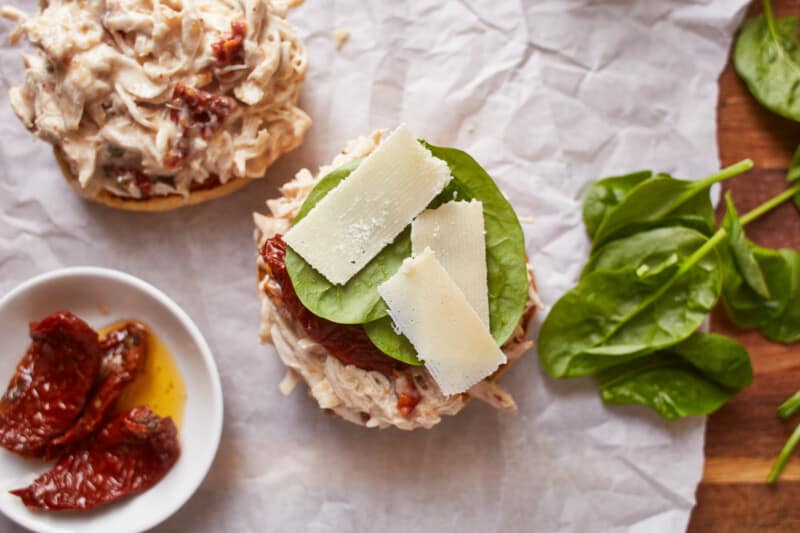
<point x="744" y="437"/>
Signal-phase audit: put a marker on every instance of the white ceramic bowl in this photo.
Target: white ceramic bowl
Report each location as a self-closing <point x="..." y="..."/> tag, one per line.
<point x="101" y="296"/>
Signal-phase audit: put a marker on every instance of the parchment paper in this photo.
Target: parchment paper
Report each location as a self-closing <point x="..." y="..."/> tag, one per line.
<point x="548" y="96"/>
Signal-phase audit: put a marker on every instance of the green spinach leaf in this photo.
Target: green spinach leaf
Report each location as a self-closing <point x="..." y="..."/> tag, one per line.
<point x="721" y="359"/>
<point x="786" y="326"/>
<point x="391" y="342"/>
<point x="606" y="194"/>
<point x="647" y="251"/>
<point x="358" y="300"/>
<point x="695" y="377"/>
<point x="767" y="57"/>
<point x="742" y="253"/>
<point x="603" y="196"/>
<point x="630" y="309"/>
<point x="746" y="308"/>
<point x="664" y="201"/>
<point x="507" y="271"/>
<point x="661" y="199"/>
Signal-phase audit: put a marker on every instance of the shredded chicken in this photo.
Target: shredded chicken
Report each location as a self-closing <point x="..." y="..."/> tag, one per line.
<point x="364" y="397"/>
<point x="340" y="37"/>
<point x="114" y="86"/>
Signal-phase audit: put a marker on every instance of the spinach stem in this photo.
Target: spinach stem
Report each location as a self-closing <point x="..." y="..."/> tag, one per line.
<point x="701" y="252"/>
<point x="770" y="20"/>
<point x="783" y="457"/>
<point x="790" y="406"/>
<point x="728" y="172"/>
<point x="708" y="181"/>
<point x="769" y="204"/>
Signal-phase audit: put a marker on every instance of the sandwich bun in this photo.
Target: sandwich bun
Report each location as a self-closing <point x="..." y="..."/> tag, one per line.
<point x="366" y="397"/>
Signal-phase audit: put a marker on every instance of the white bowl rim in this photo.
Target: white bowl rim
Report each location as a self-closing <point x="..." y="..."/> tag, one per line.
<point x="215" y="418"/>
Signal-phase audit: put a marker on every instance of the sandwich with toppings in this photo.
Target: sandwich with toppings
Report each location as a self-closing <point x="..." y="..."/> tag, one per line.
<point x="395" y="283"/>
<point x="151" y="106"/>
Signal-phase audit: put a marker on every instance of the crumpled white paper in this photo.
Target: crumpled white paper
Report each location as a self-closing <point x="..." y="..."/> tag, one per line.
<point x="548" y="96"/>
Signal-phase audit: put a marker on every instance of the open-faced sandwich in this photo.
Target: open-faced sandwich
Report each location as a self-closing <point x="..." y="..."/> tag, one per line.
<point x="155" y="105"/>
<point x="395" y="282"/>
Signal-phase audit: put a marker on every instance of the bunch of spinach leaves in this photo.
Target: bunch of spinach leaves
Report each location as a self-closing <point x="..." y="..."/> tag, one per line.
<point x="656" y="270"/>
<point x="762" y="286"/>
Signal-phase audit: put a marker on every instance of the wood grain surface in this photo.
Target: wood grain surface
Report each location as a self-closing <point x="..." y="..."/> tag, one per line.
<point x="744" y="437"/>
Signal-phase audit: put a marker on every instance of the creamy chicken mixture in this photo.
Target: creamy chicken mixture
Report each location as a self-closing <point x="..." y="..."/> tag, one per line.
<point x="158" y="97"/>
<point x="364" y="397"/>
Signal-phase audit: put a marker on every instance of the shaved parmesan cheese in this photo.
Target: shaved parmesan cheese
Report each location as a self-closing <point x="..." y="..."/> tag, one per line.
<point x="369" y="208"/>
<point x="434" y="314"/>
<point x="455" y="233"/>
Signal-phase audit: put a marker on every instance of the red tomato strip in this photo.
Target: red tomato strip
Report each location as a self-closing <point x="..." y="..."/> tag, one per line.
<point x="230" y="50"/>
<point x="196" y="112"/>
<point x="408" y="396"/>
<point x="348" y="343"/>
<point x="125" y="351"/>
<point x="50" y="386"/>
<point x="133" y="452"/>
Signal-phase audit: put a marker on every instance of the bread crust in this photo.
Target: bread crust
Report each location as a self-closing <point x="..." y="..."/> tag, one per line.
<point x="152" y="204"/>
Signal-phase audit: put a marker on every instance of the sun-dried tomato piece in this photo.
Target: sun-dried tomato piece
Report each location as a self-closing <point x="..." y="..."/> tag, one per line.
<point x="408" y="396"/>
<point x="348" y="343"/>
<point x="230" y="49"/>
<point x="142" y="180"/>
<point x="194" y="109"/>
<point x="133" y="452"/>
<point x="51" y="384"/>
<point x="196" y="112"/>
<point x="124" y="354"/>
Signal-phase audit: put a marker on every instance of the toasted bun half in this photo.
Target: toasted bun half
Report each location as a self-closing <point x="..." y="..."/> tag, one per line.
<point x="153" y="203"/>
<point x="365" y="397"/>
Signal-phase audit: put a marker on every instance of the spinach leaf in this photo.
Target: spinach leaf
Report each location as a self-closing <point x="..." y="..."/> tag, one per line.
<point x="628" y="310"/>
<point x="506" y="264"/>
<point x="776" y="313"/>
<point x="507" y="271"/>
<point x="695" y="377"/>
<point x="721" y="359"/>
<point x="606" y="194"/>
<point x="647" y="251"/>
<point x="661" y="199"/>
<point x="358" y="300"/>
<point x="325" y="185"/>
<point x="393" y="343"/>
<point x="786" y="326"/>
<point x="664" y="382"/>
<point x="741" y="252"/>
<point x="664" y="201"/>
<point x="767" y="58"/>
<point x="746" y="308"/>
